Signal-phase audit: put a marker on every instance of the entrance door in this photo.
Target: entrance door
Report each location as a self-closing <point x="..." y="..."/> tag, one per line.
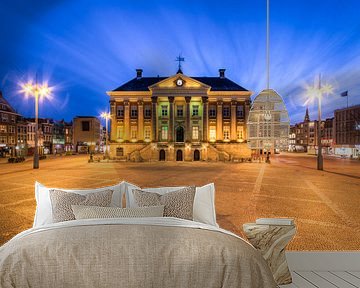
<point x="196" y="155"/>
<point x="162" y="155"/>
<point x="179" y="155"/>
<point x="180" y="134"/>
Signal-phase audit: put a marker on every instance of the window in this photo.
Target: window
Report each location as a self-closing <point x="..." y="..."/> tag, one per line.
<point x="195" y="133"/>
<point x="12" y="129"/>
<point x="3" y="139"/>
<point x="119" y="151"/>
<point x="212" y="133"/>
<point x="226" y="133"/>
<point x="134" y="111"/>
<point x="180" y="111"/>
<point x="164" y="110"/>
<point x="240" y="132"/>
<point x="11" y="140"/>
<point x="226" y="111"/>
<point x="120" y="111"/>
<point x="85" y="125"/>
<point x="147" y="111"/>
<point x="13" y="118"/>
<point x="147" y="133"/>
<point x="164" y="132"/>
<point x="212" y="111"/>
<point x="133" y="132"/>
<point x="5" y="117"/>
<point x="195" y="110"/>
<point x="120" y="132"/>
<point x="240" y="111"/>
<point x="3" y="129"/>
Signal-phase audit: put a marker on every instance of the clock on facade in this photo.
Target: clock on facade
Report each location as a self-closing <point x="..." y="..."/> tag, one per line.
<point x="179" y="82"/>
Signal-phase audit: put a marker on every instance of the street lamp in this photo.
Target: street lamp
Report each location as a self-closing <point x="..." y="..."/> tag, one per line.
<point x="317" y="92"/>
<point x="37" y="91"/>
<point x="106" y="116"/>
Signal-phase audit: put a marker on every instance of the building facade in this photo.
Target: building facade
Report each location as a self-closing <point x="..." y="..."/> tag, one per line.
<point x="179" y="118"/>
<point x="86" y="134"/>
<point x="347" y="131"/>
<point x="8" y="117"/>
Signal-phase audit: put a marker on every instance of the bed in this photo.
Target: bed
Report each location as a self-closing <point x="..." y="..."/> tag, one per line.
<point x="132" y="252"/>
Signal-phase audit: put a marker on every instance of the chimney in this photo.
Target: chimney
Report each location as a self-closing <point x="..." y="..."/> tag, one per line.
<point x="139" y="73"/>
<point x="222" y="73"/>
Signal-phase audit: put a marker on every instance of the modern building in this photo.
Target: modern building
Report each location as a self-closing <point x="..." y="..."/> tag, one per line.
<point x="8" y="140"/>
<point x="86" y="134"/>
<point x="58" y="137"/>
<point x="347" y="131"/>
<point x="179" y="118"/>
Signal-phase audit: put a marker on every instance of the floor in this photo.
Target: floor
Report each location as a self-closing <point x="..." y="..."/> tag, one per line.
<point x="324" y="204"/>
<point x="324" y="279"/>
<point x="324" y="269"/>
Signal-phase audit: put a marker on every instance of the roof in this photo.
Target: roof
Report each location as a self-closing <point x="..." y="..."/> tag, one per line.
<point x="8" y="107"/>
<point x="216" y="84"/>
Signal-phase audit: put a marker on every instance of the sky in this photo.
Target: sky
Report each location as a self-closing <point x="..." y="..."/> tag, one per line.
<point x="85" y="48"/>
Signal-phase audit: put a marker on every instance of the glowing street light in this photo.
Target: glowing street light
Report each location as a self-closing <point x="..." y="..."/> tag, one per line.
<point x="36" y="90"/>
<point x="106" y="116"/>
<point x="313" y="93"/>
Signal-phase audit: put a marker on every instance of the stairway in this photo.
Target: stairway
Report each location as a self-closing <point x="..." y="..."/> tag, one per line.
<point x="221" y="155"/>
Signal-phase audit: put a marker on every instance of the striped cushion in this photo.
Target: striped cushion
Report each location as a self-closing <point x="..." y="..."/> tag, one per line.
<point x="94" y="212"/>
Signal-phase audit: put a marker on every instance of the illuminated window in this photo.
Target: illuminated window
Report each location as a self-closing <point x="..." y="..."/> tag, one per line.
<point x="134" y="111"/>
<point x="3" y="139"/>
<point x="120" y="132"/>
<point x="212" y="111"/>
<point x="120" y="111"/>
<point x="147" y="132"/>
<point x="12" y="129"/>
<point x="164" y="110"/>
<point x="11" y="140"/>
<point x="226" y="111"/>
<point x="212" y="133"/>
<point x="133" y="132"/>
<point x="240" y="132"/>
<point x="147" y="111"/>
<point x="180" y="111"/>
<point x="195" y="110"/>
<point x="3" y="128"/>
<point x="240" y="111"/>
<point x="164" y="132"/>
<point x="226" y="133"/>
<point x="195" y="133"/>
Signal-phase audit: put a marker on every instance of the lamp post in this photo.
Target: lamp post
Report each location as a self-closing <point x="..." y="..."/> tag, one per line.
<point x="317" y="92"/>
<point x="36" y="91"/>
<point x="106" y="116"/>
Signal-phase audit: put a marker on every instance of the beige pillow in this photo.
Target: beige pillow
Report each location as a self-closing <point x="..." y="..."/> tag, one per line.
<point x="178" y="203"/>
<point x="94" y="212"/>
<point x="61" y="202"/>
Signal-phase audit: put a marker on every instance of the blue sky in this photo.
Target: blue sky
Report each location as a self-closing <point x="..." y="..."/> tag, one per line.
<point x="85" y="48"/>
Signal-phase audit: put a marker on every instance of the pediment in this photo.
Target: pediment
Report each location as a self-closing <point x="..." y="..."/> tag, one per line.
<point x="179" y="81"/>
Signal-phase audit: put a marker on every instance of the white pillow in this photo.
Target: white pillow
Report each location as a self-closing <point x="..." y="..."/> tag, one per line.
<point x="43" y="213"/>
<point x="204" y="202"/>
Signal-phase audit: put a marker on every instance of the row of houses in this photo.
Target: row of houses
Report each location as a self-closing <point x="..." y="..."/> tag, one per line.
<point x="17" y="134"/>
<point x="340" y="135"/>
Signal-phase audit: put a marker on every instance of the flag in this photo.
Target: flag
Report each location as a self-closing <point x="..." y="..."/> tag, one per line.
<point x="344" y="94"/>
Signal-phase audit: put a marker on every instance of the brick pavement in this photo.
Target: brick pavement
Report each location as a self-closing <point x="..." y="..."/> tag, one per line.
<point x="325" y="204"/>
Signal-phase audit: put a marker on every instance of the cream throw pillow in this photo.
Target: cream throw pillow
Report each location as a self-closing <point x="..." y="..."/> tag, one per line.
<point x="177" y="204"/>
<point x="61" y="202"/>
<point x="95" y="212"/>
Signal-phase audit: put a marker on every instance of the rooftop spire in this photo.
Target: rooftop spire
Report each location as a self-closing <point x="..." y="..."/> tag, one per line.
<point x="307" y="118"/>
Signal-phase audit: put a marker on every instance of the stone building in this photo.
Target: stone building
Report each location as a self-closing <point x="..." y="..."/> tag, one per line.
<point x="8" y="140"/>
<point x="179" y="118"/>
<point x="69" y="146"/>
<point x="86" y="134"/>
